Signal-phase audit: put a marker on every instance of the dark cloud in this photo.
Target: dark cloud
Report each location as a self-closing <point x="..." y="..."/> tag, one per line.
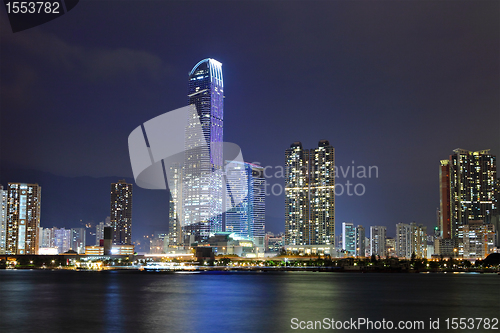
<point x="88" y="62"/>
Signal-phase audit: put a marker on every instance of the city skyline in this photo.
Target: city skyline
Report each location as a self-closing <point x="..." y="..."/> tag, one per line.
<point x="467" y="228"/>
<point x="249" y="166"/>
<point x="380" y="95"/>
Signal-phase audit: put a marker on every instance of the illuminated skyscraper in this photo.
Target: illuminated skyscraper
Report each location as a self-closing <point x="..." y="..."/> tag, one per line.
<point x="403" y="240"/>
<point x="202" y="173"/>
<point x="62" y="239"/>
<point x="377" y="240"/>
<point x="78" y="239"/>
<point x="411" y="239"/>
<point x="46" y="237"/>
<point x="175" y="213"/>
<point x="257" y="192"/>
<point x="246" y="219"/>
<point x="348" y="238"/>
<point x="297" y="222"/>
<point x="419" y="240"/>
<point x="476" y="239"/>
<point x="444" y="202"/>
<point x="121" y="212"/>
<point x="3" y="219"/>
<point x="310" y="195"/>
<point x="360" y="241"/>
<point x="23" y="218"/>
<point x="472" y="179"/>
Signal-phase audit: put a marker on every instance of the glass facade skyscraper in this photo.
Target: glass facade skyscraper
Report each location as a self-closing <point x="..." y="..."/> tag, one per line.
<point x="348" y="238"/>
<point x="246" y="219"/>
<point x="202" y="192"/>
<point x="310" y="195"/>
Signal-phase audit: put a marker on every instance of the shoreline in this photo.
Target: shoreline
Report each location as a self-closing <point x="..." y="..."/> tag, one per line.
<point x="204" y="269"/>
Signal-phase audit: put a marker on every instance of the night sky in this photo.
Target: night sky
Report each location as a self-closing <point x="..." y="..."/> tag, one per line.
<point x="397" y="85"/>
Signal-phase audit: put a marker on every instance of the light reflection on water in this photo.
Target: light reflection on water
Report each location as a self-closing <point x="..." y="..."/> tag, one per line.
<point x="64" y="301"/>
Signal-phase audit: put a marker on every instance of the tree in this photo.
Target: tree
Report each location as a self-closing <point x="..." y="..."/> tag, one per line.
<point x="224" y="261"/>
<point x="452" y="262"/>
<point x="328" y="261"/>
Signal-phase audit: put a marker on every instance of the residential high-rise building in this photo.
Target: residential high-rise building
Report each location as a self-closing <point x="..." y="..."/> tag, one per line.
<point x="377" y="240"/>
<point x="247" y="218"/>
<point x="446" y="247"/>
<point x="403" y="240"/>
<point x="310" y="195"/>
<point x="202" y="192"/>
<point x="360" y="241"/>
<point x="23" y="218"/>
<point x="47" y="237"/>
<point x="419" y="240"/>
<point x="121" y="212"/>
<point x="297" y="220"/>
<point x="476" y="239"/>
<point x="349" y="238"/>
<point x="368" y="247"/>
<point x="78" y="239"/>
<point x="3" y="220"/>
<point x="411" y="239"/>
<point x="472" y="181"/>
<point x="62" y="239"/>
<point x="390" y="247"/>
